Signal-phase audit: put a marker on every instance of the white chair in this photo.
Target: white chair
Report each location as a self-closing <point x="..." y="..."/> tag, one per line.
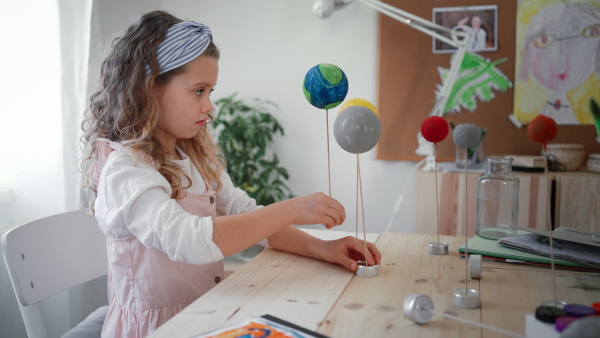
<point x="50" y="255"/>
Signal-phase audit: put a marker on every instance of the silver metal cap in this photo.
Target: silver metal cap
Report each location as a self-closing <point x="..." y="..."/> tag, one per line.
<point x="418" y="307"/>
<point x="475" y="269"/>
<point x="556" y="303"/>
<point x="367" y="271"/>
<point x="466" y="300"/>
<point x="438" y="248"/>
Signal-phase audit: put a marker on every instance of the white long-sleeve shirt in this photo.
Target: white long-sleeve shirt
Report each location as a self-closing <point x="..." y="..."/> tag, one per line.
<point x="134" y="199"/>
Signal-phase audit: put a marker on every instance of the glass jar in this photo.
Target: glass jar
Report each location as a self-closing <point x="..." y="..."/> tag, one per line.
<point x="497" y="199"/>
<point x="475" y="160"/>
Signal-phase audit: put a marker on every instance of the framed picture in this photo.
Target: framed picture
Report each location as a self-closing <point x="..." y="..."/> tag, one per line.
<point x="482" y="21"/>
<point x="557" y="68"/>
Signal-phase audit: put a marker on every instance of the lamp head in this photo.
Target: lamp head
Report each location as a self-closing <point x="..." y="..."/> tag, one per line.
<point x="324" y="8"/>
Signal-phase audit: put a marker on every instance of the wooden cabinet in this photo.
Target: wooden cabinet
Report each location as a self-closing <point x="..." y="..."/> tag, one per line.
<point x="578" y="201"/>
<point x="574" y="201"/>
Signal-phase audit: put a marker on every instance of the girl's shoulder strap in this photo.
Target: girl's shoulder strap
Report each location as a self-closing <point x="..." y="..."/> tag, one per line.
<point x="104" y="147"/>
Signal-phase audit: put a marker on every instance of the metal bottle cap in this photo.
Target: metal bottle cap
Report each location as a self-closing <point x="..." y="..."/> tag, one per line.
<point x="466" y="300"/>
<point x="367" y="271"/>
<point x="548" y="314"/>
<point x="438" y="248"/>
<point x="418" y="307"/>
<point x="552" y="302"/>
<point x="475" y="269"/>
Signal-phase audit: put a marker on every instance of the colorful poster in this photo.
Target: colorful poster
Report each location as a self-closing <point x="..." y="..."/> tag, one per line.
<point x="557" y="61"/>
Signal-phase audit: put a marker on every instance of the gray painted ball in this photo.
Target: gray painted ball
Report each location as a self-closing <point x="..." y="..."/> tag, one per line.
<point x="466" y="135"/>
<point x="357" y="129"/>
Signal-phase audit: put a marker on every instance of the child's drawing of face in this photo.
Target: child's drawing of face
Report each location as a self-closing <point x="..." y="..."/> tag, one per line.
<point x="560" y="47"/>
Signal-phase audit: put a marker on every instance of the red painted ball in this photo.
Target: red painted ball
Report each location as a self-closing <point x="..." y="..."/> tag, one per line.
<point x="542" y="129"/>
<point x="434" y="129"/>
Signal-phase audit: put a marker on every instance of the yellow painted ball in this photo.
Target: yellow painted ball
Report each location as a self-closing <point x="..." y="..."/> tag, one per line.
<point x="359" y="102"/>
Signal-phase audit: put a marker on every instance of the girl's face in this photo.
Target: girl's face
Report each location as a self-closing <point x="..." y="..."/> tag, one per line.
<point x="562" y="55"/>
<point x="476" y="22"/>
<point x="184" y="102"/>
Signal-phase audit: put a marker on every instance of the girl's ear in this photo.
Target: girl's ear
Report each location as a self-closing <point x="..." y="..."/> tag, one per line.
<point x="157" y="91"/>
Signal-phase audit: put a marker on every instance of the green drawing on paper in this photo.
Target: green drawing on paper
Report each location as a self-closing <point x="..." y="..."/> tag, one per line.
<point x="476" y="78"/>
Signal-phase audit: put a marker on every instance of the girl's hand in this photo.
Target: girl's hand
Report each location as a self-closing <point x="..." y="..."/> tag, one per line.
<point x="317" y="208"/>
<point x="347" y="251"/>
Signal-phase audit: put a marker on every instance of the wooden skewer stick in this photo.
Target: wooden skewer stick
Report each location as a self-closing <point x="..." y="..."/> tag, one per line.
<point x="549" y="221"/>
<point x="466" y="224"/>
<point x="437" y="202"/>
<point x="328" y="156"/>
<point x="357" y="175"/>
<point x="362" y="205"/>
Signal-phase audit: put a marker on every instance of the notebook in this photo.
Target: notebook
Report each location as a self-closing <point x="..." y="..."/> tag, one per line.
<point x="491" y="250"/>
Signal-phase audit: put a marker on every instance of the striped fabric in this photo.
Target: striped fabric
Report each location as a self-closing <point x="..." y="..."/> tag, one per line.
<point x="184" y="42"/>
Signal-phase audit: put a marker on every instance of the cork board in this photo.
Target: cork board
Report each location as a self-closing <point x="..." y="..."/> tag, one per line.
<point x="407" y="80"/>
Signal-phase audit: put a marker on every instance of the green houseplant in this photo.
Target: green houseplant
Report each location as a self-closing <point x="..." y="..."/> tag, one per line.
<point x="245" y="134"/>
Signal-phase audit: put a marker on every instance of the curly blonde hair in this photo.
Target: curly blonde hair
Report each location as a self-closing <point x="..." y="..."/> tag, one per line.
<point x="125" y="109"/>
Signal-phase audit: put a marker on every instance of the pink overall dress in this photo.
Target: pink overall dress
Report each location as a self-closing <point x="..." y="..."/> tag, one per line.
<point x="146" y="288"/>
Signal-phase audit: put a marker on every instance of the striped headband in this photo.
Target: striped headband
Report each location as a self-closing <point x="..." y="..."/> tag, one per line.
<point x="184" y="42"/>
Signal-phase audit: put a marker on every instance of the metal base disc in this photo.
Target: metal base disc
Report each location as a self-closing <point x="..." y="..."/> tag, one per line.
<point x="475" y="262"/>
<point x="418" y="307"/>
<point x="466" y="300"/>
<point x="367" y="271"/>
<point x="438" y="248"/>
<point x="551" y="302"/>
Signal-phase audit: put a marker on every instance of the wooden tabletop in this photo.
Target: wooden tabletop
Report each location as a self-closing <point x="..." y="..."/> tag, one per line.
<point x="333" y="301"/>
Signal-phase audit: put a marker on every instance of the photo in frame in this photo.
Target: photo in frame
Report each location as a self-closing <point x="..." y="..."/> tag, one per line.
<point x="482" y="21"/>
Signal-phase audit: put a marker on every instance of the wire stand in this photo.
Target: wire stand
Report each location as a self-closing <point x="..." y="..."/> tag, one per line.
<point x="437" y="248"/>
<point x="465" y="298"/>
<point x="419" y="309"/>
<point x="363" y="266"/>
<point x="554" y="302"/>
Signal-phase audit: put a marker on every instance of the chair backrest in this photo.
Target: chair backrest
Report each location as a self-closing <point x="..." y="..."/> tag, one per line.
<point x="50" y="255"/>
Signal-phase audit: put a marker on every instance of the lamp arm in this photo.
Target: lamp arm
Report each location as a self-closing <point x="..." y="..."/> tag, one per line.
<point x="418" y="23"/>
<point x="459" y="39"/>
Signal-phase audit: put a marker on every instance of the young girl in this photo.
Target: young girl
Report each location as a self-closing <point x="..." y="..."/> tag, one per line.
<point x="157" y="184"/>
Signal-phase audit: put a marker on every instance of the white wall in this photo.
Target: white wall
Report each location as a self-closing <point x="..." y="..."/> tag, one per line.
<point x="267" y="46"/>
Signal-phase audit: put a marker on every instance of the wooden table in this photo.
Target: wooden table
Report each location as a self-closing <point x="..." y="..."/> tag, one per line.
<point x="333" y="301"/>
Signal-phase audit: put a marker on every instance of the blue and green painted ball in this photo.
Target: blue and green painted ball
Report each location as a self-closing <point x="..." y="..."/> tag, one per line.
<point x="325" y="86"/>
